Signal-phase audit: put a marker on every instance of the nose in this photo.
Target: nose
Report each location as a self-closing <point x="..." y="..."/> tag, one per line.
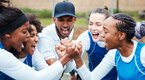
<point x="94" y="27"/>
<point x="65" y="24"/>
<point x="36" y="39"/>
<point x="102" y="34"/>
<point x="27" y="36"/>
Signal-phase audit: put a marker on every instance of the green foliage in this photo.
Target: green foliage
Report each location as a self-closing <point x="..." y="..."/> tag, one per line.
<point x="39" y="13"/>
<point x="133" y="14"/>
<point x="45" y="14"/>
<point x="81" y="14"/>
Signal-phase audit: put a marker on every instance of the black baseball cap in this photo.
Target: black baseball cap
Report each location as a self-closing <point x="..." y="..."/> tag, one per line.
<point x="64" y="8"/>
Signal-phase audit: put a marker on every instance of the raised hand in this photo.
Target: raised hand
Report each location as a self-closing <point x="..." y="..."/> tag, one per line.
<point x="60" y="49"/>
<point x="72" y="49"/>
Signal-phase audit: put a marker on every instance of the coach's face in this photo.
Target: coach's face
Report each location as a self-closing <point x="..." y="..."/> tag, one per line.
<point x="64" y="25"/>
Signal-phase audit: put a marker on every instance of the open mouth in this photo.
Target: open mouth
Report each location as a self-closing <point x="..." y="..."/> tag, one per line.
<point x="33" y="47"/>
<point x="95" y="35"/>
<point x="66" y="31"/>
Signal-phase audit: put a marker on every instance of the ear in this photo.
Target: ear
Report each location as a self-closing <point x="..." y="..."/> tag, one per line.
<point x="53" y="19"/>
<point x="122" y="36"/>
<point x="75" y="18"/>
<point x="7" y="36"/>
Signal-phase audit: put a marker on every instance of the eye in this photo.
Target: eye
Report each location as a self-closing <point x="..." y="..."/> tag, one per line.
<point x="69" y="20"/>
<point x="90" y="23"/>
<point x="25" y="31"/>
<point x="99" y="24"/>
<point x="32" y="35"/>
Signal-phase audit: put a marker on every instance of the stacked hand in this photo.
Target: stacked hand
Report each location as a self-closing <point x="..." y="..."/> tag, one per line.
<point x="72" y="49"/>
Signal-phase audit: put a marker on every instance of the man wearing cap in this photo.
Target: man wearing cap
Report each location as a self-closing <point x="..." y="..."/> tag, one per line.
<point x="63" y="26"/>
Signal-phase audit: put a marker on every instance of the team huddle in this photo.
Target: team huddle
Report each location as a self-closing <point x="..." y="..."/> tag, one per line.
<point x="30" y="52"/>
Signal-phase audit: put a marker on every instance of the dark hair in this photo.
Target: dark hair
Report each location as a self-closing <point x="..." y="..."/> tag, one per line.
<point x="102" y="11"/>
<point x="34" y="21"/>
<point x="10" y="18"/>
<point x="4" y="3"/>
<point x="126" y="24"/>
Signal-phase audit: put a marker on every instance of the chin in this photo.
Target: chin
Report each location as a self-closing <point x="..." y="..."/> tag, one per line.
<point x="19" y="49"/>
<point x="29" y="52"/>
<point x="95" y="40"/>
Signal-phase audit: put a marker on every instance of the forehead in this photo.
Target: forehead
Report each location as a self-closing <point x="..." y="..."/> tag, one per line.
<point x="33" y="28"/>
<point x="25" y="25"/>
<point x="66" y="17"/>
<point x="110" y="23"/>
<point x="97" y="16"/>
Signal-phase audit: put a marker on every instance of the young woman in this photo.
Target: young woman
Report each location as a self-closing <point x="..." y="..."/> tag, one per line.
<point x="92" y="42"/>
<point x="124" y="53"/>
<point x="14" y="27"/>
<point x="30" y="55"/>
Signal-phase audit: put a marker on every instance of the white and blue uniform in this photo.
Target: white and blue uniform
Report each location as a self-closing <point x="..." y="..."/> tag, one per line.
<point x="48" y="39"/>
<point x="134" y="70"/>
<point x="128" y="68"/>
<point x="27" y="61"/>
<point x="95" y="54"/>
<point x="2" y="75"/>
<point x="11" y="66"/>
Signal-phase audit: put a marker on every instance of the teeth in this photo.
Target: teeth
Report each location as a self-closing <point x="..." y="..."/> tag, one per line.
<point x="22" y="45"/>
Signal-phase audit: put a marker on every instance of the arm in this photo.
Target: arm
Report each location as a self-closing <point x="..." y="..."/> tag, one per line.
<point x="85" y="41"/>
<point x="17" y="70"/>
<point x="38" y="61"/>
<point x="100" y="71"/>
<point x="142" y="56"/>
<point x="46" y="47"/>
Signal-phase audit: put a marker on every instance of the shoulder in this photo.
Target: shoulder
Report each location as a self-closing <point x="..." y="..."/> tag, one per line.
<point x="111" y="53"/>
<point x="49" y="29"/>
<point x="84" y="35"/>
<point x="7" y="58"/>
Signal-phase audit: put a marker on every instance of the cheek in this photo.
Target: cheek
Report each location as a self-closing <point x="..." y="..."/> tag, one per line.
<point x="89" y="27"/>
<point x="100" y="28"/>
<point x="106" y="37"/>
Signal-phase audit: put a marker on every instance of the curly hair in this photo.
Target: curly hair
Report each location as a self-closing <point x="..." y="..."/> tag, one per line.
<point x="34" y="21"/>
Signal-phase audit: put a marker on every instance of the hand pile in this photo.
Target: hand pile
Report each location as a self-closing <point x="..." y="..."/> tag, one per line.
<point x="72" y="49"/>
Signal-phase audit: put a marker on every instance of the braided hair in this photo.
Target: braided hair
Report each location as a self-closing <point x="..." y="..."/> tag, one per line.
<point x="126" y="24"/>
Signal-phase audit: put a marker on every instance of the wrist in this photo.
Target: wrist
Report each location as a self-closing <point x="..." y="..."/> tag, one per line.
<point x="64" y="59"/>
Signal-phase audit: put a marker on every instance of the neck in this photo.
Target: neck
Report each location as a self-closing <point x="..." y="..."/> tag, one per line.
<point x="126" y="49"/>
<point x="22" y="54"/>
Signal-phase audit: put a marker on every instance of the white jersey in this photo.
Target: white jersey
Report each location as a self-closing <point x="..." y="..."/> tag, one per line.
<point x="48" y="39"/>
<point x="107" y="64"/>
<point x="11" y="66"/>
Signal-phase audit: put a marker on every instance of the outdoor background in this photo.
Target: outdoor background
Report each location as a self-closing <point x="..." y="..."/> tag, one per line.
<point x="44" y="11"/>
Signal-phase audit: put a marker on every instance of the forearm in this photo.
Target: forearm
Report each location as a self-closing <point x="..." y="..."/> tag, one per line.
<point x="79" y="62"/>
<point x="50" y="61"/>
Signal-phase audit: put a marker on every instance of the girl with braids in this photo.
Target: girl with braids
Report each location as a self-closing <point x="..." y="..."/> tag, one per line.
<point x="92" y="43"/>
<point x="14" y="27"/>
<point x="124" y="53"/>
